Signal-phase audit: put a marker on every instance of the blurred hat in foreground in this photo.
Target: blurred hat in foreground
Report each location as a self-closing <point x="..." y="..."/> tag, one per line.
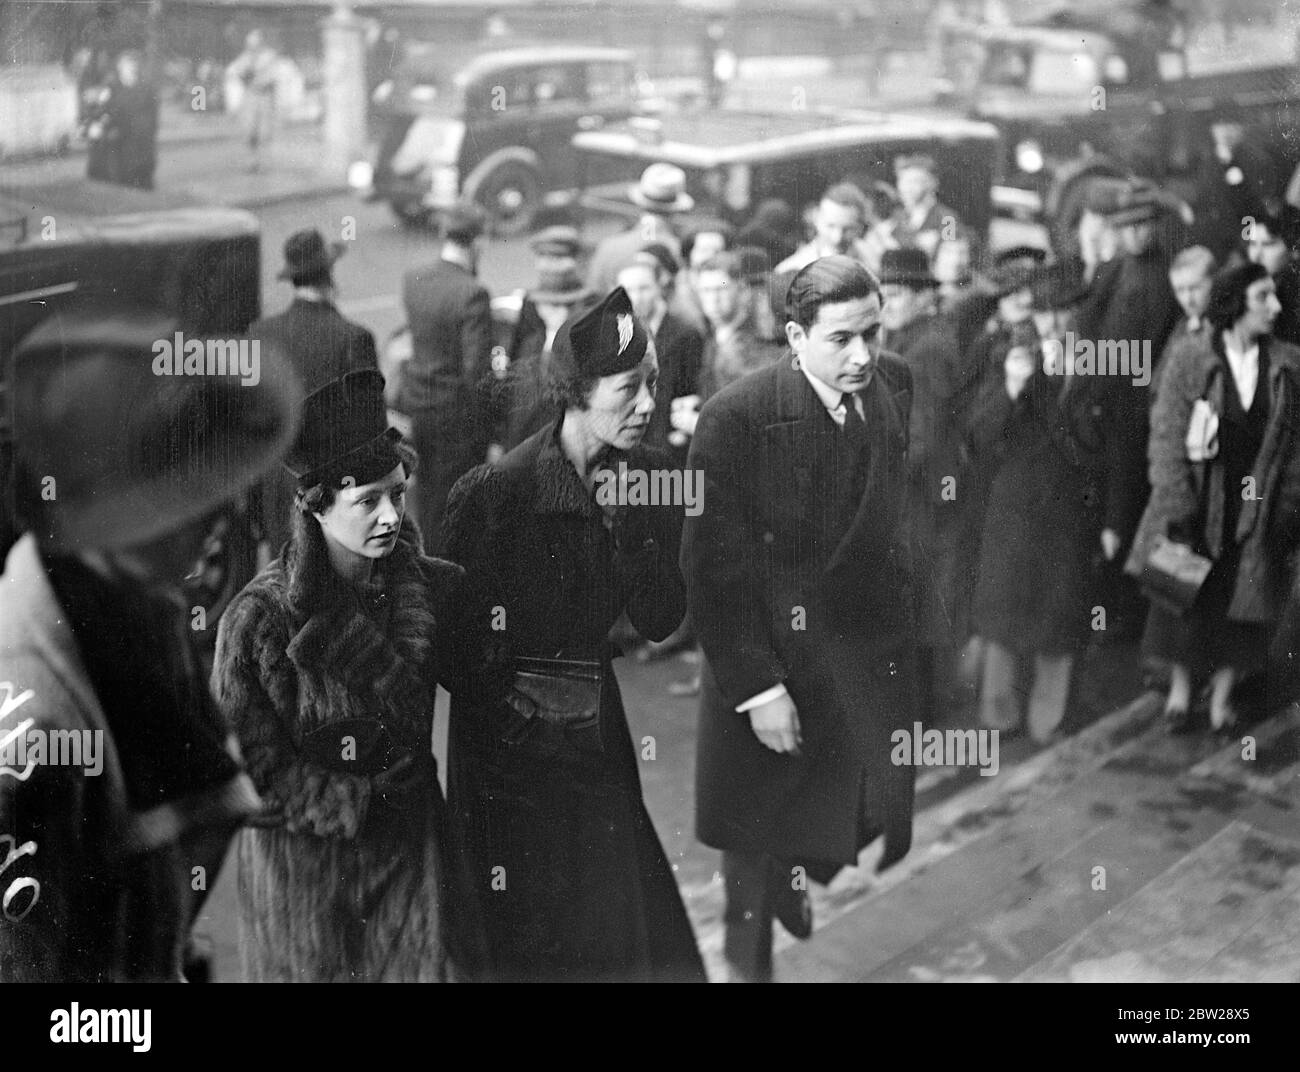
<point x="135" y="454"/>
<point x="908" y="267"/>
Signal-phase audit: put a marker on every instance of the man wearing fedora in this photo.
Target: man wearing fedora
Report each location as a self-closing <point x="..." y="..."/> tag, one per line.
<point x="927" y="345"/>
<point x="798" y="587"/>
<point x="661" y="195"/>
<point x="447" y="386"/>
<point x="317" y="340"/>
<point x="106" y="850"/>
<point x="560" y="291"/>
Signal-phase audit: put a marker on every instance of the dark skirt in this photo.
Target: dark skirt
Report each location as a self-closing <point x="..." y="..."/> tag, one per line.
<point x="570" y="880"/>
<point x="1205" y="638"/>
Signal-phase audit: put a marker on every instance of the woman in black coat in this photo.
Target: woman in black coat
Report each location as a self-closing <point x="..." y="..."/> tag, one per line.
<point x="1035" y="433"/>
<point x="1225" y="479"/>
<point x="565" y="866"/>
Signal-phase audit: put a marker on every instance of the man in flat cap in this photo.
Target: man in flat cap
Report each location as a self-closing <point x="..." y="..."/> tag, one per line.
<point x="119" y="783"/>
<point x="317" y="340"/>
<point x="799" y="590"/>
<point x="660" y="195"/>
<point x="447" y="384"/>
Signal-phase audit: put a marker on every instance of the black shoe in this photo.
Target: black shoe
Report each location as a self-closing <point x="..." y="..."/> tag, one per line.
<point x="791" y="906"/>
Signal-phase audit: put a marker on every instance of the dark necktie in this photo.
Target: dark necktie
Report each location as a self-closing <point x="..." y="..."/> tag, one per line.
<point x="855" y="429"/>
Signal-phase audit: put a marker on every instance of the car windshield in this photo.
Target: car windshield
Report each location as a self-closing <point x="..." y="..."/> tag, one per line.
<point x="1039" y="70"/>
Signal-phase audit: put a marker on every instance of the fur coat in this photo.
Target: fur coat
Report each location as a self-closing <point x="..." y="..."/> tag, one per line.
<point x="340" y="881"/>
<point x="1189" y="495"/>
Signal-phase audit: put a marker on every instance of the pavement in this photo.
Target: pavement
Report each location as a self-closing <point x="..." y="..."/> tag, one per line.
<point x="202" y="160"/>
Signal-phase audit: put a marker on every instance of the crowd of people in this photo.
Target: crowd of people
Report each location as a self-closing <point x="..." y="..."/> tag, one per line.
<point x="909" y="466"/>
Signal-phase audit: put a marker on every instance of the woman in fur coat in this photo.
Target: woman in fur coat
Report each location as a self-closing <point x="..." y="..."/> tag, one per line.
<point x="326" y="666"/>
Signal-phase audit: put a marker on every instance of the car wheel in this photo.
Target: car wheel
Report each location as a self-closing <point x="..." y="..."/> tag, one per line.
<point x="510" y="196"/>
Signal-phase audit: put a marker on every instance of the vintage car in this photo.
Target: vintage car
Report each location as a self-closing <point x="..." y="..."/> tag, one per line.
<point x="495" y="129"/>
<point x="1081" y="96"/>
<point x="735" y="159"/>
<point x="201" y="264"/>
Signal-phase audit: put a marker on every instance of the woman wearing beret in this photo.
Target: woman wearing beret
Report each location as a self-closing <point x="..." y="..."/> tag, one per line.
<point x="326" y="665"/>
<point x="545" y="803"/>
<point x="1225" y="480"/>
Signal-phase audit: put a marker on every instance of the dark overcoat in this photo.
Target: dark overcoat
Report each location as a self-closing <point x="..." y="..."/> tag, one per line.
<point x="1190" y="496"/>
<point x="566" y="867"/>
<point x="928" y="346"/>
<point x="321" y="345"/>
<point x="1042" y="456"/>
<point x="793" y="581"/>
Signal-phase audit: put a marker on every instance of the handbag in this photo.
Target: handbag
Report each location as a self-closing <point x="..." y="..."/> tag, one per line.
<point x="1173" y="574"/>
<point x="565" y="694"/>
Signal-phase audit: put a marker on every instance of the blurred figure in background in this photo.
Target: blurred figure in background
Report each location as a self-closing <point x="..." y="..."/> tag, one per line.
<point x="447" y="385"/>
<point x="319" y="343"/>
<point x="1036" y="432"/>
<point x="732" y="346"/>
<point x="660" y="195"/>
<point x="523" y="404"/>
<point x="256" y="71"/>
<point x="1272" y="241"/>
<point x="1190" y="276"/>
<point x="923" y="220"/>
<point x="913" y="329"/>
<point x="679" y="346"/>
<point x="707" y="239"/>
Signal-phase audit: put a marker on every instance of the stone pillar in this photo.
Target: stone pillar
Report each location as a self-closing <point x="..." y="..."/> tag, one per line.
<point x="346" y="99"/>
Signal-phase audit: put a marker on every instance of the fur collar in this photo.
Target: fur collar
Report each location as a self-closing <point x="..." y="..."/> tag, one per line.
<point x="378" y="642"/>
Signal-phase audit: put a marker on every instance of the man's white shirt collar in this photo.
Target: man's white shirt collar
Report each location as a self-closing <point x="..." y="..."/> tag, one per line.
<point x="831" y="397"/>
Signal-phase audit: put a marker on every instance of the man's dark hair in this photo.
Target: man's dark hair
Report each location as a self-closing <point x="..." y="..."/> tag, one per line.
<point x="1227" y="302"/>
<point x="826" y="281"/>
<point x="848" y="195"/>
<point x="726" y="261"/>
<point x="718" y="227"/>
<point x="463" y="223"/>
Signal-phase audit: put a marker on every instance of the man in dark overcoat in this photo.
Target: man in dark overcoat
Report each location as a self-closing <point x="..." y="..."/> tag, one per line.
<point x="317" y="341"/>
<point x="1131" y="304"/>
<point x="798" y="586"/>
<point x="927" y="343"/>
<point x="447" y="384"/>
